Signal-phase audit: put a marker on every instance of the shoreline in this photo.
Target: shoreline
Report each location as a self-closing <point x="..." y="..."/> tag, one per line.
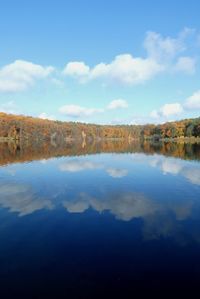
<point x="191" y="139"/>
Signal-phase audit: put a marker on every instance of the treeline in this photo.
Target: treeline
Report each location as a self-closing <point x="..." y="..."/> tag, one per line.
<point x="177" y="129"/>
<point x="29" y="128"/>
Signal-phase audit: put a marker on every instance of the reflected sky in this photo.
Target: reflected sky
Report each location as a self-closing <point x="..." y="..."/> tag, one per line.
<point x="126" y="185"/>
<point x="21" y="199"/>
<point x="135" y="202"/>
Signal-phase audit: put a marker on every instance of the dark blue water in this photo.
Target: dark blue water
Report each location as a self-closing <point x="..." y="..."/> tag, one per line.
<point x="100" y="226"/>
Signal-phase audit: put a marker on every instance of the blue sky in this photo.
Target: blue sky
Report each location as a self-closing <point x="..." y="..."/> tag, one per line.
<point x="100" y="61"/>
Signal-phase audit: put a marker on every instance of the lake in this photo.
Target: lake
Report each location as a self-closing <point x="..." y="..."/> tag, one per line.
<point x="99" y="220"/>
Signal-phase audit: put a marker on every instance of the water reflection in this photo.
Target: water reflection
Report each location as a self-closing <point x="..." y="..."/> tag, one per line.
<point x="10" y="153"/>
<point x="82" y="217"/>
<point x="127" y="206"/>
<point x="161" y="218"/>
<point x="117" y="173"/>
<point x="20" y="199"/>
<point x="77" y="165"/>
<point x="156" y="188"/>
<point x="190" y="171"/>
<point x="122" y="206"/>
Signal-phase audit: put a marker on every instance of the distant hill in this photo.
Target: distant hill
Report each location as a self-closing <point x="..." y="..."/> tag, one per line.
<point x="19" y="127"/>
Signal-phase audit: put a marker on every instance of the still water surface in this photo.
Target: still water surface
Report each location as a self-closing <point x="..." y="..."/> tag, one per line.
<point x="100" y="225"/>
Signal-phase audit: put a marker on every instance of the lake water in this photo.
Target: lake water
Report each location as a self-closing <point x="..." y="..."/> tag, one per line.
<point x="99" y="225"/>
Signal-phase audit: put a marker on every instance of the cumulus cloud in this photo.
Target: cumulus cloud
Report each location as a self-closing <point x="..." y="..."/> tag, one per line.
<point x="20" y="199"/>
<point x="171" y="109"/>
<point x="116" y="104"/>
<point x="193" y="102"/>
<point x="21" y="74"/>
<point x="76" y="69"/>
<point x="162" y="54"/>
<point x="124" y="69"/>
<point x="174" y="109"/>
<point x="167" y="110"/>
<point x="78" y="111"/>
<point x="44" y="115"/>
<point x="129" y="70"/>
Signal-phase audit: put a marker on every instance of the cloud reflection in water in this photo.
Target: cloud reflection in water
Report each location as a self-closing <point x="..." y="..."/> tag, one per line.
<point x="20" y="199"/>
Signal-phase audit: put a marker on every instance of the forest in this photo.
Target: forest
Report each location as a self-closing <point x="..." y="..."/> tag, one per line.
<point x="19" y="127"/>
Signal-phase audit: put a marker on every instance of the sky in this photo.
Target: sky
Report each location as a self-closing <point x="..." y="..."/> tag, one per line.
<point x="105" y="62"/>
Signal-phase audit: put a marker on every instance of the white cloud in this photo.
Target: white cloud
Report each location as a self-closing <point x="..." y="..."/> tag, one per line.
<point x="174" y="109"/>
<point x="124" y="69"/>
<point x="160" y="48"/>
<point x="44" y="115"/>
<point x="193" y="102"/>
<point x="119" y="103"/>
<point x="162" y="54"/>
<point x="185" y="65"/>
<point x="167" y="110"/>
<point x="76" y="69"/>
<point x="128" y="70"/>
<point x="167" y="50"/>
<point x="78" y="111"/>
<point x="171" y="109"/>
<point x="21" y="74"/>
